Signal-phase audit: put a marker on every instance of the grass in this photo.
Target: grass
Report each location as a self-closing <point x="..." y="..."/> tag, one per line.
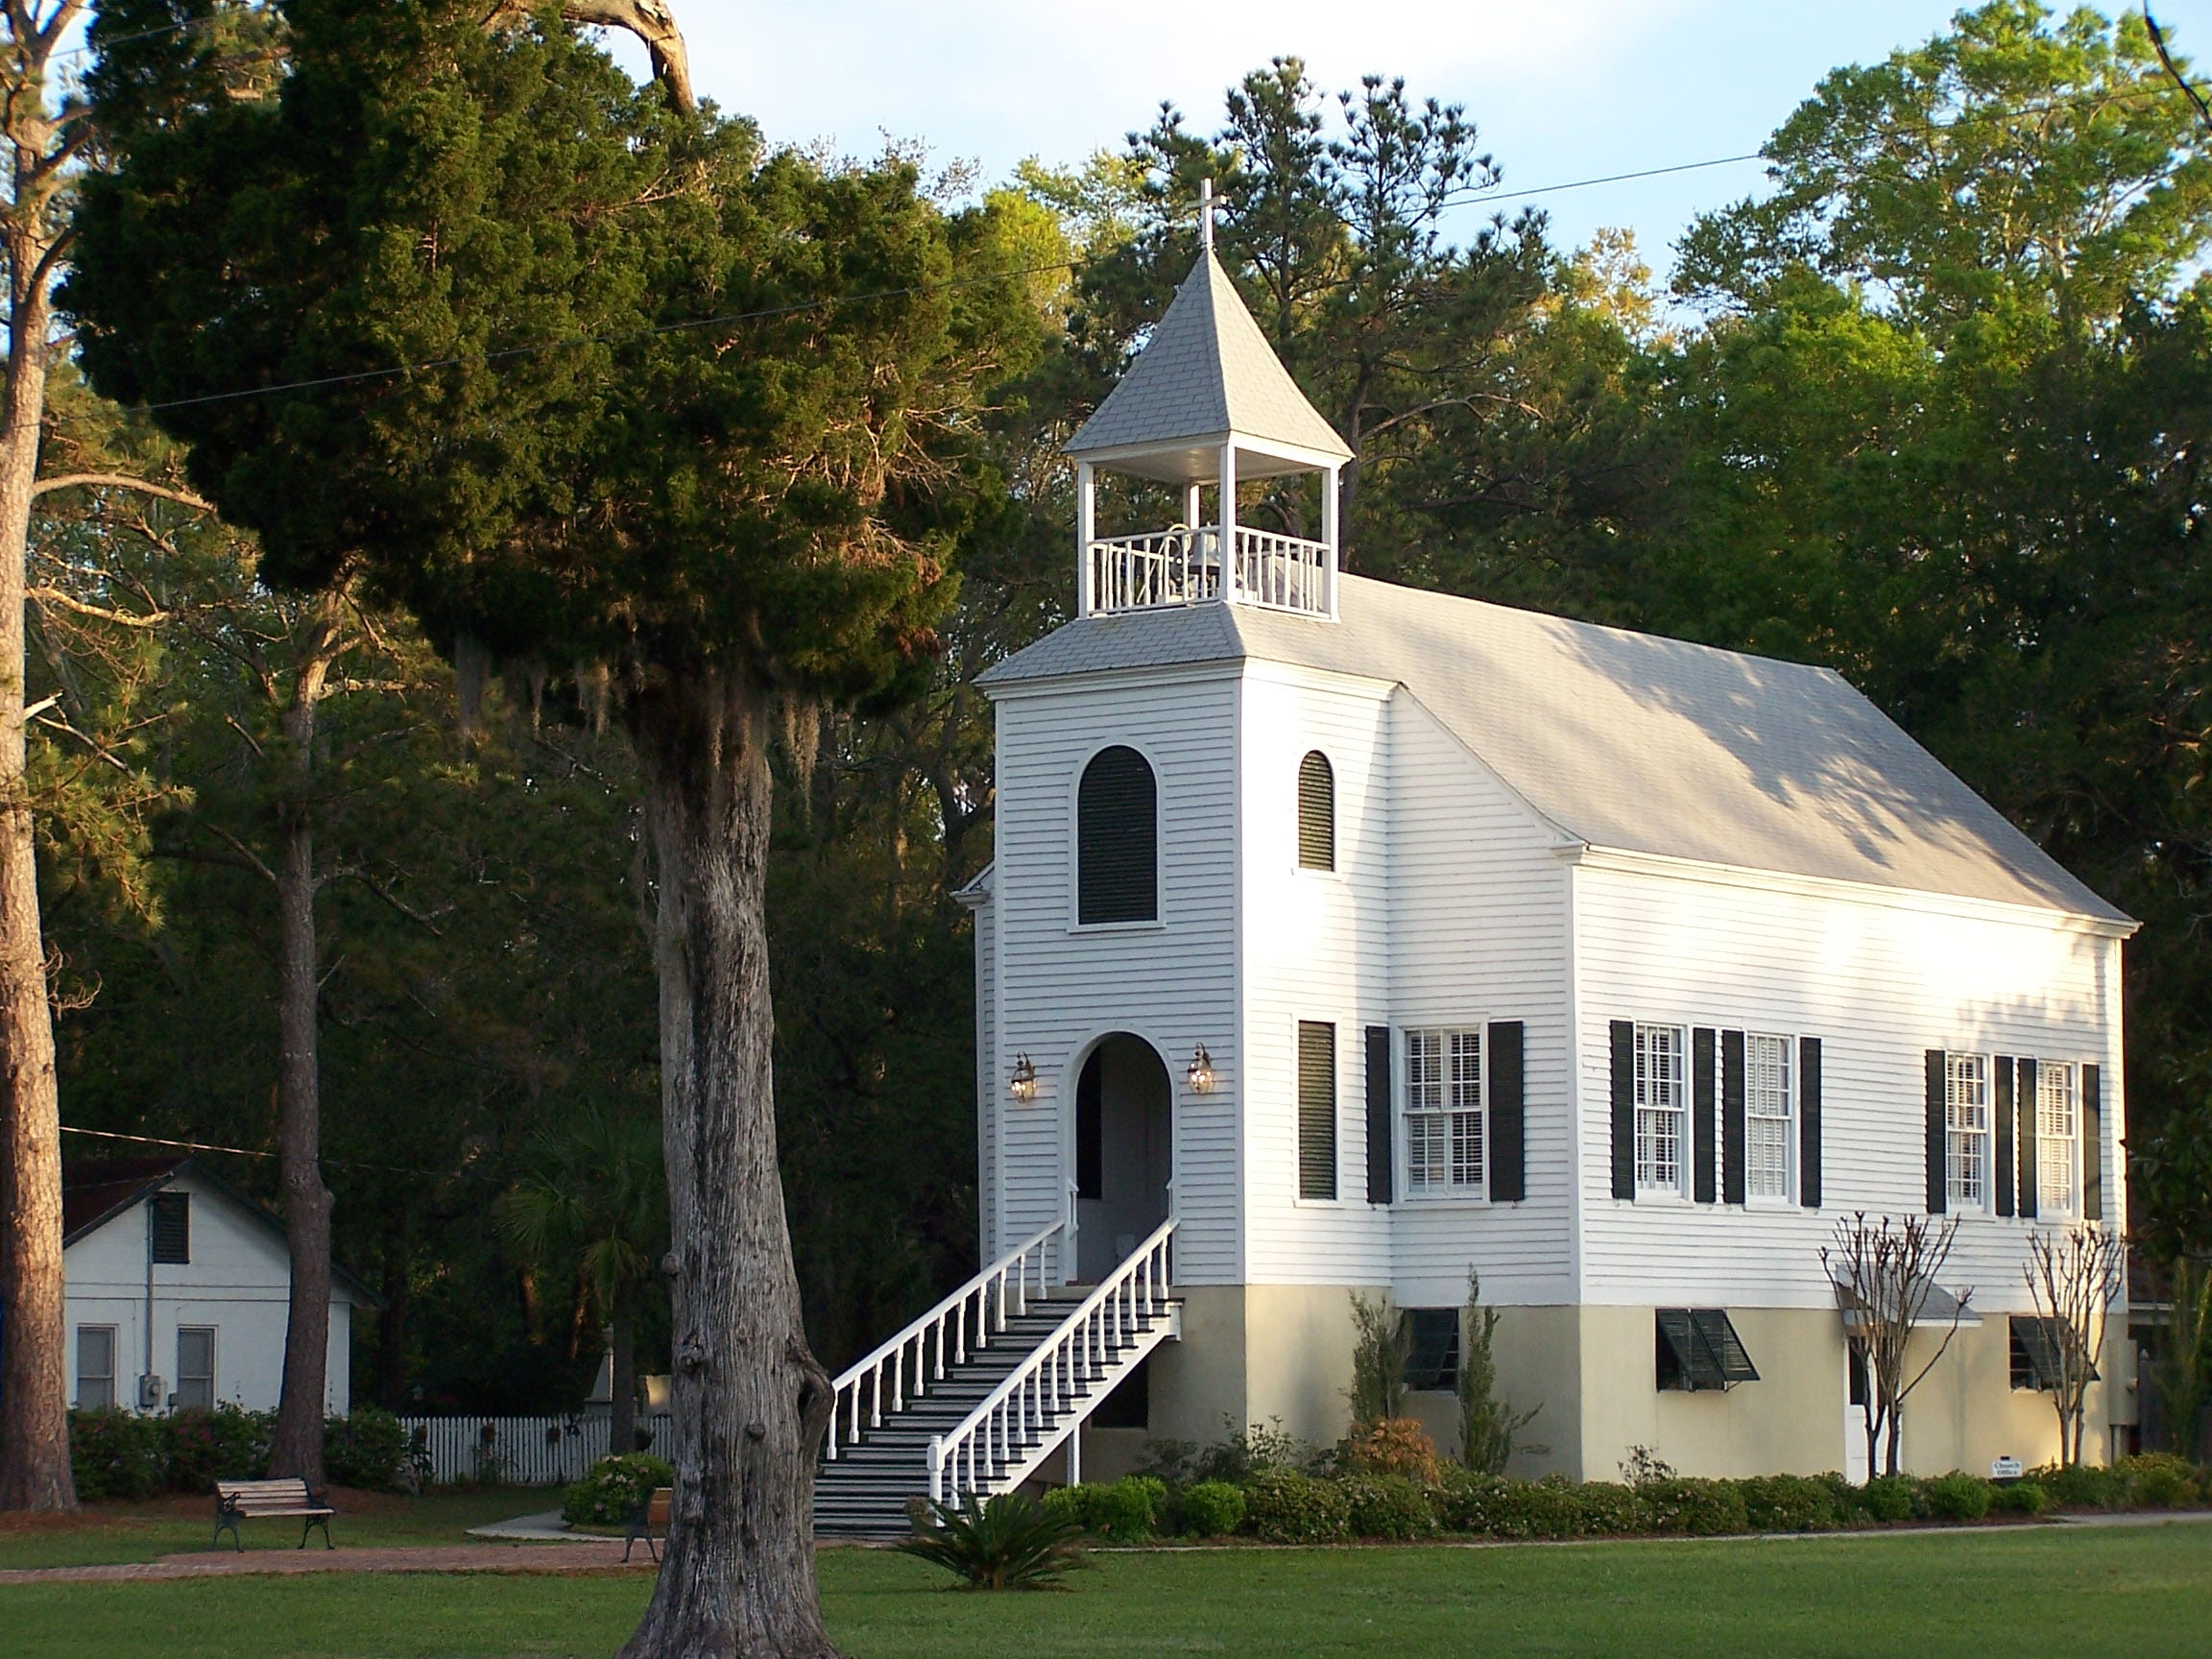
<point x="173" y="1526"/>
<point x="2134" y="1591"/>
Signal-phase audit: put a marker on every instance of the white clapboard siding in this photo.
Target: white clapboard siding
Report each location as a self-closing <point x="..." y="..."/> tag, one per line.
<point x="1059" y="990"/>
<point x="1477" y="921"/>
<point x="1880" y="978"/>
<point x="988" y="1088"/>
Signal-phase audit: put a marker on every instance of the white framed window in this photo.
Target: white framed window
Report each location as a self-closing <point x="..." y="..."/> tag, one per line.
<point x="1966" y="1130"/>
<point x="95" y="1367"/>
<point x="1662" y="1102"/>
<point x="1769" y="1116"/>
<point x="195" y="1368"/>
<point x="2057" y="1137"/>
<point x="1444" y="1138"/>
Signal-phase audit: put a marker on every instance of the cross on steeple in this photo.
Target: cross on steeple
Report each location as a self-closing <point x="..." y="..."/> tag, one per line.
<point x="1206" y="215"/>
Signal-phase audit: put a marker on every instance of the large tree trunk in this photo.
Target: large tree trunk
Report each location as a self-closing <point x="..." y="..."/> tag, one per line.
<point x="750" y="1401"/>
<point x="34" y="1372"/>
<point x="296" y="1448"/>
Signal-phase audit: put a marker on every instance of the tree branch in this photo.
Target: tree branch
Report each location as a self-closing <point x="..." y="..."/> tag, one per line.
<point x="119" y="481"/>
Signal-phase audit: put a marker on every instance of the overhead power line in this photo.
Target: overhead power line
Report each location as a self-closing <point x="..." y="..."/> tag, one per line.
<point x="239" y="1151"/>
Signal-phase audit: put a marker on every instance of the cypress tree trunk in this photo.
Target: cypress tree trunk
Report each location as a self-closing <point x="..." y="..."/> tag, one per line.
<point x="749" y="1400"/>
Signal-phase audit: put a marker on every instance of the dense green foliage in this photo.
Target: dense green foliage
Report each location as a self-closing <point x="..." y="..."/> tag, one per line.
<point x="1006" y="1542"/>
<point x="613" y="1488"/>
<point x="127" y="1455"/>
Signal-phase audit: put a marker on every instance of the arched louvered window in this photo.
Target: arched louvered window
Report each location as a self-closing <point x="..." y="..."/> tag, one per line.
<point x="1316" y="813"/>
<point x="1116" y="839"/>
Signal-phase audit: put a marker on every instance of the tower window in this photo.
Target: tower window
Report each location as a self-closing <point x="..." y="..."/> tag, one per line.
<point x="1316" y="813"/>
<point x="1116" y="839"/>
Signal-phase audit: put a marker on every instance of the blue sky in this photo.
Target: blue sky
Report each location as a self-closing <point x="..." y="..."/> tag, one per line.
<point x="1561" y="91"/>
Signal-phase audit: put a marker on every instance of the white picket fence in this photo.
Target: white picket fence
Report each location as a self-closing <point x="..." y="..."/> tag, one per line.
<point x="515" y="1450"/>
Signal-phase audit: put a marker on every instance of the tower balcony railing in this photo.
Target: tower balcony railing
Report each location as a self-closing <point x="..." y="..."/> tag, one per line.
<point x="1183" y="566"/>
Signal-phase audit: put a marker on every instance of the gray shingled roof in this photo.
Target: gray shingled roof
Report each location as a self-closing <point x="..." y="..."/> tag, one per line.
<point x="1629" y="740"/>
<point x="1207" y="372"/>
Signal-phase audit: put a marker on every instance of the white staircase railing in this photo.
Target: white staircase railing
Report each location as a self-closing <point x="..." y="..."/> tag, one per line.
<point x="909" y="1361"/>
<point x="1043" y="1399"/>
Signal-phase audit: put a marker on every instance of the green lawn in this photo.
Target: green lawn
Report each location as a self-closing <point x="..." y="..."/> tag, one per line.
<point x="171" y="1526"/>
<point x="2130" y="1593"/>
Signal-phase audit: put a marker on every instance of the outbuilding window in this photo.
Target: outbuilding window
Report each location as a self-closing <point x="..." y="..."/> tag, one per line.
<point x="95" y="1367"/>
<point x="1316" y="813"/>
<point x="195" y="1368"/>
<point x="1116" y="839"/>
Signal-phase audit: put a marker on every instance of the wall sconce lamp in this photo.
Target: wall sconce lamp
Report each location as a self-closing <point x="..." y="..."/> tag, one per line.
<point x="1022" y="1085"/>
<point x="1199" y="1074"/>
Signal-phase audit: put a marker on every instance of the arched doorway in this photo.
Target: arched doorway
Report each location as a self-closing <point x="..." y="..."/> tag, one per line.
<point x="1123" y="1151"/>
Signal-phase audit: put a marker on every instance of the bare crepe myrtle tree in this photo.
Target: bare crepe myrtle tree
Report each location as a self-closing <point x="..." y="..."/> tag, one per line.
<point x="2073" y="1276"/>
<point x="1885" y="1274"/>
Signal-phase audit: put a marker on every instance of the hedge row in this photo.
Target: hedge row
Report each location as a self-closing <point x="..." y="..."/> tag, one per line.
<point x="1285" y="1506"/>
<point x="119" y="1455"/>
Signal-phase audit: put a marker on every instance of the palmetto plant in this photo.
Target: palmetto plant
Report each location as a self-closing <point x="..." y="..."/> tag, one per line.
<point x="1009" y="1542"/>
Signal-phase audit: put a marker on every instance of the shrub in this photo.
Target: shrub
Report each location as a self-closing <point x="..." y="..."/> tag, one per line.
<point x="2018" y="1498"/>
<point x="1285" y="1506"/>
<point x="1124" y="1513"/>
<point x="1694" y="1509"/>
<point x="1387" y="1507"/>
<point x="1466" y="1498"/>
<point x="2082" y="1487"/>
<point x="1610" y="1509"/>
<point x="1549" y="1508"/>
<point x="613" y="1488"/>
<point x="118" y="1455"/>
<point x="1212" y="1509"/>
<point x="367" y="1450"/>
<point x="1009" y="1542"/>
<point x="1957" y="1497"/>
<point x="1392" y="1446"/>
<point x="2158" y="1480"/>
<point x="1890" y="1496"/>
<point x="1380" y="1347"/>
<point x="1236" y="1458"/>
<point x="226" y="1444"/>
<point x="1790" y="1504"/>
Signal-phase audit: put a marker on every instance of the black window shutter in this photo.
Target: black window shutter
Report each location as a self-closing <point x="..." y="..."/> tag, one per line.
<point x="2003" y="1066"/>
<point x="2029" y="1178"/>
<point x="1732" y="1133"/>
<point x="1808" y="1122"/>
<point x="1316" y="813"/>
<point x="1116" y="839"/>
<point x="172" y="1241"/>
<point x="1316" y="1109"/>
<point x="1702" y="1150"/>
<point x="1509" y="1154"/>
<point x="2092" y="1143"/>
<point x="1090" y="1128"/>
<point x="1623" y="1109"/>
<point x="1380" y="1165"/>
<point x="1938" y="1181"/>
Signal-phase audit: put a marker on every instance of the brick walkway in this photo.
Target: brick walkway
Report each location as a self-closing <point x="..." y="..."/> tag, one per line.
<point x="428" y="1558"/>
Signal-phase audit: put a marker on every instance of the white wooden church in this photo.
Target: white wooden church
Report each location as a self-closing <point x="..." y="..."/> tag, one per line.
<point x="1344" y="937"/>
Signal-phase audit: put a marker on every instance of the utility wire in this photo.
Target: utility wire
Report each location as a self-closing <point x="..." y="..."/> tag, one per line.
<point x="242" y="1151"/>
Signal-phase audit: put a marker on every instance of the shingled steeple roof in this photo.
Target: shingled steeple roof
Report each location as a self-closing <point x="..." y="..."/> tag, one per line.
<point x="1207" y="375"/>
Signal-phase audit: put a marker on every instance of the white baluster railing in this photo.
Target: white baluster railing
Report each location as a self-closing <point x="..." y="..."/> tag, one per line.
<point x="1028" y="1405"/>
<point x="1283" y="572"/>
<point x="1181" y="566"/>
<point x="917" y="1357"/>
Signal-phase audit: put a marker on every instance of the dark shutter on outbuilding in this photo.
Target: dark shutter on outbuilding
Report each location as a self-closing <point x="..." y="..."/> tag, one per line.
<point x="1808" y="1122"/>
<point x="1702" y="1151"/>
<point x="1938" y="1180"/>
<point x="2025" y="1152"/>
<point x="1732" y="1130"/>
<point x="1381" y="1164"/>
<point x="1091" y="1127"/>
<point x="1316" y="813"/>
<point x="1623" y="1109"/>
<point x="1116" y="839"/>
<point x="2092" y="1143"/>
<point x="2002" y="1195"/>
<point x="171" y="1238"/>
<point x="1316" y="1109"/>
<point x="1508" y="1132"/>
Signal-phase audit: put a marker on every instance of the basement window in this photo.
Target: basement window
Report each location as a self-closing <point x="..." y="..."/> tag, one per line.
<point x="1698" y="1349"/>
<point x="2035" y="1354"/>
<point x="1431" y="1339"/>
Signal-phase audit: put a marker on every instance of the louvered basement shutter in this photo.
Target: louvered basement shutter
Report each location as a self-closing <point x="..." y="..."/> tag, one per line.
<point x="1623" y="1109"/>
<point x="2002" y="1196"/>
<point x="2092" y="1143"/>
<point x="1808" y="1122"/>
<point x="1732" y="1131"/>
<point x="1316" y="813"/>
<point x="1090" y="1128"/>
<point x="1508" y="1133"/>
<point x="1702" y="1151"/>
<point x="2028" y="1147"/>
<point x="1116" y="839"/>
<point x="1938" y="1182"/>
<point x="1724" y="1349"/>
<point x="1316" y="1110"/>
<point x="1382" y="1164"/>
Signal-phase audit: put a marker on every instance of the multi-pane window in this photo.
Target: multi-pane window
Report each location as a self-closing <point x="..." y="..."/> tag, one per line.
<point x="195" y="1368"/>
<point x="1660" y="1103"/>
<point x="95" y="1367"/>
<point x="1966" y="1130"/>
<point x="1443" y="1110"/>
<point x="2057" y="1137"/>
<point x="1769" y="1098"/>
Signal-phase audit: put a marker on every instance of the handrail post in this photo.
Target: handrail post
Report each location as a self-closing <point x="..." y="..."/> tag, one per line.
<point x="936" y="1467"/>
